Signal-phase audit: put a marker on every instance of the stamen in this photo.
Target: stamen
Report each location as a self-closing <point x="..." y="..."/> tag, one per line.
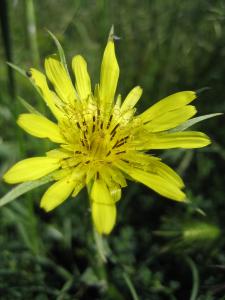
<point x="113" y="135"/>
<point x="84" y="134"/>
<point x="93" y="127"/>
<point x="77" y="165"/>
<point x="108" y="153"/>
<point x="109" y="122"/>
<point x="125" y="160"/>
<point x="78" y="125"/>
<point x="114" y="129"/>
<point x="121" y="142"/>
<point x="120" y="152"/>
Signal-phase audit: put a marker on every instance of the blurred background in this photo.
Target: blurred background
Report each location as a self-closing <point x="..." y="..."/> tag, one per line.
<point x="159" y="249"/>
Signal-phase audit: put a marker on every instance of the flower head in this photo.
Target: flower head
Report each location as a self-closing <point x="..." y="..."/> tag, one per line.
<point x="101" y="141"/>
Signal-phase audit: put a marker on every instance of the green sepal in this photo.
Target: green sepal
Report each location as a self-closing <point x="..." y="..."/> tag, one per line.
<point x="193" y="121"/>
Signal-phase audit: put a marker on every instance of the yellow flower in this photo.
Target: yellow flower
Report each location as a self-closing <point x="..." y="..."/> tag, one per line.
<point x="101" y="140"/>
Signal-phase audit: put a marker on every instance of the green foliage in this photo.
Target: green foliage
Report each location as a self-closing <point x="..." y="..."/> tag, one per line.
<point x="159" y="249"/>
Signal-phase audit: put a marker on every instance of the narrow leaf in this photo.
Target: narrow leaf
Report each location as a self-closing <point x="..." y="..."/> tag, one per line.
<point x="60" y="50"/>
<point x="18" y="69"/>
<point x="193" y="121"/>
<point x="29" y="107"/>
<point x="24" y="188"/>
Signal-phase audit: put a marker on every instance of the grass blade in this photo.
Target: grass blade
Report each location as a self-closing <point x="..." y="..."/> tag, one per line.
<point x="23" y="188"/>
<point x="29" y="107"/>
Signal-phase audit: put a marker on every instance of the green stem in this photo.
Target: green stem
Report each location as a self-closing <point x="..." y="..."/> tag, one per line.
<point x="195" y="278"/>
<point x="102" y="252"/>
<point x="31" y="29"/>
<point x="101" y="258"/>
<point x="130" y="286"/>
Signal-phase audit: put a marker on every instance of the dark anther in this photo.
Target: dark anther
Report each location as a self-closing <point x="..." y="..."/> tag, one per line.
<point x="77" y="152"/>
<point x="110" y="120"/>
<point x="114" y="129"/>
<point x="108" y="153"/>
<point x="87" y="162"/>
<point x="121" y="142"/>
<point x="77" y="165"/>
<point x="112" y="136"/>
<point x="126" y="161"/>
<point x="120" y="152"/>
<point x="101" y="126"/>
<point x="97" y="175"/>
<point x="78" y="125"/>
<point x="93" y="118"/>
<point x="93" y="128"/>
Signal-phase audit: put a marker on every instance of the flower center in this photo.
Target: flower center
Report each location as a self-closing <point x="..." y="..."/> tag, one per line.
<point x="95" y="138"/>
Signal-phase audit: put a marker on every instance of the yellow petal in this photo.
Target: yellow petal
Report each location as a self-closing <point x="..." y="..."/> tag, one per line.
<point x="115" y="175"/>
<point x="100" y="193"/>
<point x="109" y="76"/>
<point x="103" y="207"/>
<point x="78" y="187"/>
<point x="112" y="185"/>
<point x="104" y="217"/>
<point x="169" y="103"/>
<point x="153" y="165"/>
<point x="40" y="126"/>
<point x="155" y="182"/>
<point x="31" y="169"/>
<point x="171" y="119"/>
<point x="58" y="153"/>
<point x="48" y="96"/>
<point x="83" y="82"/>
<point x="168" y="174"/>
<point x="131" y="99"/>
<point x="115" y="192"/>
<point x="58" y="76"/>
<point x="57" y="193"/>
<point x="185" y="139"/>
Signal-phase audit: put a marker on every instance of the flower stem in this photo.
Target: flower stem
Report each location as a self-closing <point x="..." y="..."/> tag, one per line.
<point x="100" y="246"/>
<point x="195" y="277"/>
<point x="130" y="286"/>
